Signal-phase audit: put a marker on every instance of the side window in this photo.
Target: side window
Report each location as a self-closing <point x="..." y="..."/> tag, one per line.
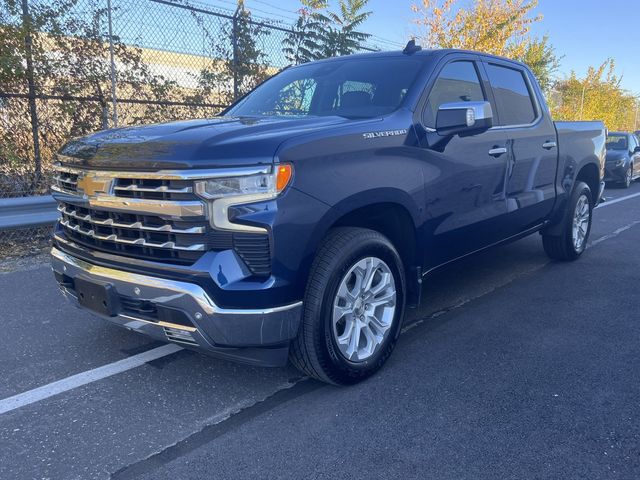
<point x="513" y="98"/>
<point x="632" y="143"/>
<point x="457" y="82"/>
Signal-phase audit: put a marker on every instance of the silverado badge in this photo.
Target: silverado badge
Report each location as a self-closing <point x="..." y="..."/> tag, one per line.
<point x="385" y="133"/>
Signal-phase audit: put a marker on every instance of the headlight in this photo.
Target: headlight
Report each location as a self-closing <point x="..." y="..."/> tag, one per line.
<point x="263" y="184"/>
<point x="619" y="162"/>
<point x="224" y="192"/>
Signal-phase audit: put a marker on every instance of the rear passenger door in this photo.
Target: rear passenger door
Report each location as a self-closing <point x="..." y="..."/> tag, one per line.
<point x="531" y="143"/>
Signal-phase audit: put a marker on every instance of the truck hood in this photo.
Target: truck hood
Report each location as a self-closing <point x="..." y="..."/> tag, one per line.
<point x="210" y="143"/>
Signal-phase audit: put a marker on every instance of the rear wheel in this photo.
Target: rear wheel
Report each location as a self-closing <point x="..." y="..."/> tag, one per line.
<point x="573" y="238"/>
<point x="353" y="307"/>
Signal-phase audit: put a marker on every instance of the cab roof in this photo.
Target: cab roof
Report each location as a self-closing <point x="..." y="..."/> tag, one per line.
<point x="433" y="53"/>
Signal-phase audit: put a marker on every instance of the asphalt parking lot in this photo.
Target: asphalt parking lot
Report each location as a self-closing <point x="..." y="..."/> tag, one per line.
<point x="515" y="367"/>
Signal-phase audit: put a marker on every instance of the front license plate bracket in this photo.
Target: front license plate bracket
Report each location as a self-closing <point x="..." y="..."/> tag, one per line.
<point x="101" y="298"/>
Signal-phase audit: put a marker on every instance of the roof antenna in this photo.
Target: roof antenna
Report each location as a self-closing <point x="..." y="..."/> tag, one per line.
<point x="411" y="47"/>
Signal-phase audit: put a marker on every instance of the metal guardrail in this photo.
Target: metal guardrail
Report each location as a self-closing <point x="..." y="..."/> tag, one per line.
<point x="25" y="212"/>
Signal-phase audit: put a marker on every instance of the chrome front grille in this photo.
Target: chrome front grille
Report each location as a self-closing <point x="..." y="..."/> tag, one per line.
<point x="135" y="235"/>
<point x="68" y="210"/>
<point x="112" y="237"/>
<point x="154" y="189"/>
<point x="159" y="219"/>
<point x="66" y="181"/>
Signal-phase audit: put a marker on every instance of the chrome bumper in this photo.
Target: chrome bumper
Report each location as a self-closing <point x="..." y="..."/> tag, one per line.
<point x="252" y="335"/>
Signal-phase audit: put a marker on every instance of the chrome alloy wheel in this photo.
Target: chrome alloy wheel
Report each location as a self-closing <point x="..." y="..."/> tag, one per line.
<point x="581" y="219"/>
<point x="364" y="309"/>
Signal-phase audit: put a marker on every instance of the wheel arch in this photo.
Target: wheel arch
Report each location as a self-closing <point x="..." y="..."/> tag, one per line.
<point x="590" y="175"/>
<point x="387" y="211"/>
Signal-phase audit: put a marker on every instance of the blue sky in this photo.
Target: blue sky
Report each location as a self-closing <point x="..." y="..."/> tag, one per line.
<point x="586" y="32"/>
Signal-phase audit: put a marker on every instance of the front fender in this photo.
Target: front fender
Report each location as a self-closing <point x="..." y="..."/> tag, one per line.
<point x="366" y="199"/>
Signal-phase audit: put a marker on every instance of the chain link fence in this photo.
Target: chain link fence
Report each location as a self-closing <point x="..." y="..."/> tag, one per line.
<point x="72" y="67"/>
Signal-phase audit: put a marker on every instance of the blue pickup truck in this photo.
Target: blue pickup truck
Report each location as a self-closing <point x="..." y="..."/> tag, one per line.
<point x="299" y="224"/>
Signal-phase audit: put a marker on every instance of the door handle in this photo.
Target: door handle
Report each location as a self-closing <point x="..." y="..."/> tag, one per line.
<point x="549" y="145"/>
<point x="497" y="151"/>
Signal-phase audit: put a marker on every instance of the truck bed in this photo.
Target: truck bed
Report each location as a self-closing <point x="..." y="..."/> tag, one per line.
<point x="580" y="143"/>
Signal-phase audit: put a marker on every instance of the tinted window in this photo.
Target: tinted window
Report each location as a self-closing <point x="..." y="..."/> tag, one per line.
<point x="349" y="88"/>
<point x="616" y="141"/>
<point x="513" y="99"/>
<point x="457" y="82"/>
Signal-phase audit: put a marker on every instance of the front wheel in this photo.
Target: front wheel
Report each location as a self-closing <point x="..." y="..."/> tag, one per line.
<point x="572" y="240"/>
<point x="353" y="307"/>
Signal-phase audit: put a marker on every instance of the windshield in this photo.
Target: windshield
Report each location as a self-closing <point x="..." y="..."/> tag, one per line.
<point x="355" y="88"/>
<point x="616" y="142"/>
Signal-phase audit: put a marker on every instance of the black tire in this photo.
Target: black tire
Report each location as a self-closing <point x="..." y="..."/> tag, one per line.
<point x="562" y="247"/>
<point x="315" y="351"/>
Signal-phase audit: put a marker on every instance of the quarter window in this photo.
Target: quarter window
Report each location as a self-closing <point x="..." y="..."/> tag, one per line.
<point x="457" y="82"/>
<point x="512" y="95"/>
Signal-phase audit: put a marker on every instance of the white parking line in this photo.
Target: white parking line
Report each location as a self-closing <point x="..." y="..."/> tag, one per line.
<point x="74" y="381"/>
<point x="616" y="200"/>
<point x="615" y="233"/>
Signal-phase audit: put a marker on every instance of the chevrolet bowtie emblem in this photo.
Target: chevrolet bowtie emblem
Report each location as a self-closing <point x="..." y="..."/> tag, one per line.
<point x="90" y="184"/>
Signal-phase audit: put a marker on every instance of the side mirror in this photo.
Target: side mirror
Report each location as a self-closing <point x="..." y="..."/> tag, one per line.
<point x="464" y="118"/>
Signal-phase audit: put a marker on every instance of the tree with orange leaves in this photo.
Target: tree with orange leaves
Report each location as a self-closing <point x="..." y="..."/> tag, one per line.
<point x="499" y="27"/>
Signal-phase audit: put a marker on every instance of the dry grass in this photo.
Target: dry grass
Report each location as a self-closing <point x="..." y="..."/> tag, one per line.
<point x="22" y="243"/>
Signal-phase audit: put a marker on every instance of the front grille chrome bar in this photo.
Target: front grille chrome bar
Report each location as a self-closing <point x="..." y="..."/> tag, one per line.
<point x="67" y="180"/>
<point x="137" y="241"/>
<point x="109" y="222"/>
<point x="160" y="189"/>
<point x="161" y="208"/>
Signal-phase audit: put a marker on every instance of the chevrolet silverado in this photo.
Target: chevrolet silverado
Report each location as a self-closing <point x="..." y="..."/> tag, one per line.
<point x="300" y="222"/>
